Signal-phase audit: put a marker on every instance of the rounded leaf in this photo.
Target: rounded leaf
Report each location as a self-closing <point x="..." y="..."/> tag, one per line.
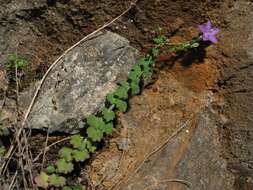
<point x="57" y="181"/>
<point x="64" y="167"/>
<point x="42" y="180"/>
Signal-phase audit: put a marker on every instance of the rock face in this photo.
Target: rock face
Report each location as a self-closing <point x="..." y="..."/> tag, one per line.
<point x="192" y="155"/>
<point x="189" y="161"/>
<point x="77" y="87"/>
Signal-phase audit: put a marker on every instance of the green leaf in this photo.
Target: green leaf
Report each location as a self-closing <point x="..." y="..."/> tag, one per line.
<point x="108" y="128"/>
<point x="143" y="62"/>
<point x="90" y="147"/>
<point x="65" y="153"/>
<point x="147" y="72"/>
<point x="80" y="156"/>
<point x="4" y="131"/>
<point x="121" y="105"/>
<point x="160" y="40"/>
<point x="135" y="73"/>
<point x="135" y="88"/>
<point x="2" y="150"/>
<point x="78" y="142"/>
<point x="51" y="169"/>
<point x="108" y="115"/>
<point x="42" y="180"/>
<point x="110" y="98"/>
<point x="64" y="167"/>
<point x="67" y="188"/>
<point x="125" y="85"/>
<point x="155" y="52"/>
<point x="98" y="127"/>
<point x="12" y="57"/>
<point x="95" y="121"/>
<point x="147" y="62"/>
<point x="14" y="60"/>
<point x="95" y="134"/>
<point x="21" y="64"/>
<point x="57" y="181"/>
<point x="121" y="93"/>
<point x="77" y="187"/>
<point x="137" y="68"/>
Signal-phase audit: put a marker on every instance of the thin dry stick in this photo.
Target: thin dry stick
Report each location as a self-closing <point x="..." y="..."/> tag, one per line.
<point x="21" y="165"/>
<point x="49" y="146"/>
<point x="124" y="151"/>
<point x="13" y="180"/>
<point x="18" y="140"/>
<point x="17" y="89"/>
<point x="156" y="182"/>
<point x="184" y="182"/>
<point x="45" y="150"/>
<point x="53" y="66"/>
<point x="4" y="166"/>
<point x="23" y="173"/>
<point x="159" y="147"/>
<point x="29" y="162"/>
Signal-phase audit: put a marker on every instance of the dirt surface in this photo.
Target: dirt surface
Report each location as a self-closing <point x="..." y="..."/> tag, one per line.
<point x="219" y="77"/>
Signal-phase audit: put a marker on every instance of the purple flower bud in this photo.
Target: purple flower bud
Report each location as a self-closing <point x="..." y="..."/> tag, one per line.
<point x="209" y="33"/>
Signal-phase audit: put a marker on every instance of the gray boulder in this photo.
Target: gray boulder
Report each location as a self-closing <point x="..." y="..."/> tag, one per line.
<point x="77" y="87"/>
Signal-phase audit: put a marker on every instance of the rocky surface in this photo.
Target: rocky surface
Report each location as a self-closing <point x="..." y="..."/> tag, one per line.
<point x="211" y="90"/>
<point x="77" y="87"/>
<point x="214" y="151"/>
<point x="192" y="155"/>
<point x="191" y="160"/>
<point x="236" y="84"/>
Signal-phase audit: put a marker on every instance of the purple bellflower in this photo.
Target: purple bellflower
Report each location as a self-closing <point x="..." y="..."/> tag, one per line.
<point x="209" y="33"/>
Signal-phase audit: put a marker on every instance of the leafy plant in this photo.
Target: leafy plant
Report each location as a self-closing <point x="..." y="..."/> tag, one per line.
<point x="64" y="166"/>
<point x="42" y="180"/>
<point x="2" y="151"/>
<point x="80" y="156"/>
<point x="159" y="40"/>
<point x="108" y="114"/>
<point x="3" y="130"/>
<point x="51" y="169"/>
<point x="121" y="105"/>
<point x="14" y="61"/>
<point x="98" y="127"/>
<point x="102" y="124"/>
<point x="78" y="142"/>
<point x="57" y="181"/>
<point x="66" y="153"/>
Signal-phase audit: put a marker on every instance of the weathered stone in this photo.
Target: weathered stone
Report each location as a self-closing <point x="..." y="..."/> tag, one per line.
<point x="192" y="157"/>
<point x="77" y="87"/>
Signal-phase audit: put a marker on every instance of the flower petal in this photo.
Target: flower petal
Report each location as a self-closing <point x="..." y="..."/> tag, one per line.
<point x="205" y="37"/>
<point x="213" y="39"/>
<point x="214" y="31"/>
<point x="208" y="25"/>
<point x="203" y="28"/>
